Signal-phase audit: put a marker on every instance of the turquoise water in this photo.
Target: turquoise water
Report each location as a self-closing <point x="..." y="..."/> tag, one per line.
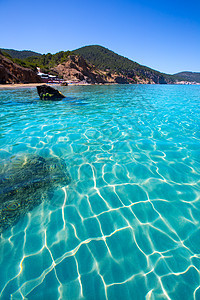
<point x="128" y="224"/>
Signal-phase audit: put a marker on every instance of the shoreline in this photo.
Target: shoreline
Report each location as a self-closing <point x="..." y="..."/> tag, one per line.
<point x="29" y="85"/>
<point x="21" y="85"/>
<point x="32" y="85"/>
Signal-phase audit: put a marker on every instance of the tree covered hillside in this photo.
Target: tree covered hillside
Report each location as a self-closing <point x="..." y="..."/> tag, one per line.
<point x="48" y="61"/>
<point x="189" y="76"/>
<point x="20" y="54"/>
<point x="104" y="59"/>
<point x="45" y="62"/>
<point x="111" y="64"/>
<point x="108" y="60"/>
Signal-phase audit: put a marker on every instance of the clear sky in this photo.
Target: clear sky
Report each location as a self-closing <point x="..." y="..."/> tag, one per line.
<point x="164" y="35"/>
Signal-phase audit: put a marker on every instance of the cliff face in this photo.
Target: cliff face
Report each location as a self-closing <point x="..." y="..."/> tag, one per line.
<point x="13" y="73"/>
<point x="76" y="69"/>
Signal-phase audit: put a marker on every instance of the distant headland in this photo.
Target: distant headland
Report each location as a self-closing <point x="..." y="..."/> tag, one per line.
<point x="87" y="65"/>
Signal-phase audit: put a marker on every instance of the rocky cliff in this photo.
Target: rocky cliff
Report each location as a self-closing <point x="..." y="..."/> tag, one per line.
<point x="13" y="73"/>
<point x="76" y="69"/>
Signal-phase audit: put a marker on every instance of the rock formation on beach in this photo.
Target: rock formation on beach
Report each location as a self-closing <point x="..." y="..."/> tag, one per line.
<point x="25" y="182"/>
<point x="11" y="72"/>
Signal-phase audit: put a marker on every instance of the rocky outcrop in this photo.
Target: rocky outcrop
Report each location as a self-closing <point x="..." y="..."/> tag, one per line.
<point x="76" y="69"/>
<point x="47" y="92"/>
<point x="121" y="80"/>
<point x="13" y="73"/>
<point x="156" y="77"/>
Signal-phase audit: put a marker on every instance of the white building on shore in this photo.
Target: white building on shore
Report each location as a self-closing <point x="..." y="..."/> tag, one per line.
<point x="48" y="78"/>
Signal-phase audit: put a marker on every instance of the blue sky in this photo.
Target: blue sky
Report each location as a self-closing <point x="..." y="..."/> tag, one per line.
<point x="164" y="35"/>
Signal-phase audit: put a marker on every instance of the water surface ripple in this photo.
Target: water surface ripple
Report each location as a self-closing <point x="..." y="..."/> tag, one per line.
<point x="128" y="225"/>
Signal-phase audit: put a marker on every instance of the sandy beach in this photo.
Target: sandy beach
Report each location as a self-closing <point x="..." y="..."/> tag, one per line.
<point x="29" y="85"/>
<point x="21" y="85"/>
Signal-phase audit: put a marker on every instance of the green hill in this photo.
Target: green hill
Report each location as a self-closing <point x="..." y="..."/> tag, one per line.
<point x="104" y="59"/>
<point x="189" y="76"/>
<point x="107" y="60"/>
<point x="45" y="61"/>
<point x="114" y="67"/>
<point x="20" y="54"/>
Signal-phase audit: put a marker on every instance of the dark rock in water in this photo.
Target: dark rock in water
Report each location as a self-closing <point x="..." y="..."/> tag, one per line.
<point x="64" y="83"/>
<point x="25" y="183"/>
<point x="48" y="93"/>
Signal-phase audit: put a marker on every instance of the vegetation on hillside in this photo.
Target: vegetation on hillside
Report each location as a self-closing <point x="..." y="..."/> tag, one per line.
<point x="189" y="76"/>
<point x="20" y="54"/>
<point x="48" y="61"/>
<point x="45" y="62"/>
<point x="102" y="58"/>
<point x="107" y="60"/>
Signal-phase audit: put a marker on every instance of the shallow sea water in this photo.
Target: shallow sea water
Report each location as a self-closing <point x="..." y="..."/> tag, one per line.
<point x="128" y="224"/>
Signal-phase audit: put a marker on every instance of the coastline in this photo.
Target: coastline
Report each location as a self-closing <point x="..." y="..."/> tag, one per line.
<point x="21" y="85"/>
<point x="29" y="85"/>
<point x="32" y="85"/>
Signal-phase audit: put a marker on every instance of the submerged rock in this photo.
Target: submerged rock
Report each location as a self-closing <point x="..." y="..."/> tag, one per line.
<point x="25" y="183"/>
<point x="49" y="93"/>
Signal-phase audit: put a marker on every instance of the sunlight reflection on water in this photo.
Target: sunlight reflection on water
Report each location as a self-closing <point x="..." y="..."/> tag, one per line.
<point x="128" y="223"/>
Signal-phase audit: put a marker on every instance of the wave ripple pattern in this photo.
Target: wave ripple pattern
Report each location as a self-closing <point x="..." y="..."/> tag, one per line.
<point x="128" y="224"/>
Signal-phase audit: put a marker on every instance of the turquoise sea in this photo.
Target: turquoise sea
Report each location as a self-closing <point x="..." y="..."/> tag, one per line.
<point x="128" y="224"/>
